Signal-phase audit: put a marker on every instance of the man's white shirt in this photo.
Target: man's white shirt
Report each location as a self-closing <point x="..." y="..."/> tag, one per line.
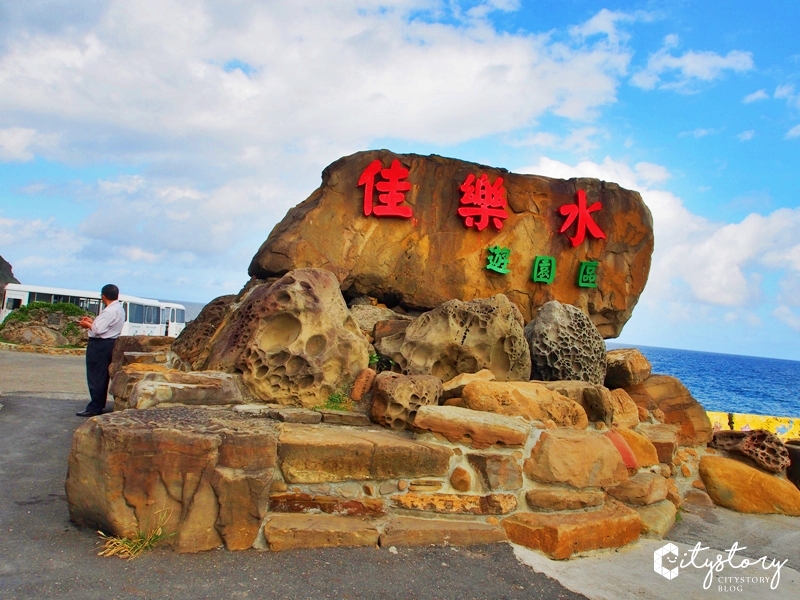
<point x="109" y="323"/>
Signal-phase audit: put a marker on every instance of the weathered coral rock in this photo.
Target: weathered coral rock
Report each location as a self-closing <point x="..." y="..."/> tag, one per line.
<point x="743" y="488"/>
<point x="290" y="531"/>
<point x="644" y="450"/>
<point x="294" y="341"/>
<point x="461" y="480"/>
<point x="499" y="472"/>
<point x="35" y="335"/>
<point x="763" y="447"/>
<point x="207" y="473"/>
<point x="408" y="531"/>
<point x="432" y="258"/>
<point x="384" y="329"/>
<point x="296" y="502"/>
<point x="322" y="454"/>
<point x="663" y="437"/>
<point x="578" y="458"/>
<point x="463" y="337"/>
<point x="492" y="504"/>
<point x="642" y="489"/>
<point x="367" y="316"/>
<point x="565" y="344"/>
<point x="454" y="387"/>
<point x="553" y="498"/>
<point x="669" y="395"/>
<point x="626" y="367"/>
<point x="529" y="400"/>
<point x="397" y="398"/>
<point x="192" y="345"/>
<point x="657" y="519"/>
<point x="479" y="429"/>
<point x="560" y="536"/>
<point x="793" y="472"/>
<point x="596" y="400"/>
<point x="626" y="413"/>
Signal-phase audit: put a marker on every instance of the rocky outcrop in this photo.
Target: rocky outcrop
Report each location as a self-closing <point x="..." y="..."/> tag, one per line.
<point x="472" y="427"/>
<point x="565" y="344"/>
<point x="6" y="275"/>
<point x="432" y="257"/>
<point x="397" y="398"/>
<point x="743" y="488"/>
<point x="626" y="367"/>
<point x="761" y="446"/>
<point x="204" y="474"/>
<point x="139" y="349"/>
<point x="192" y="345"/>
<point x="529" y="400"/>
<point x="367" y="316"/>
<point x="294" y="341"/>
<point x="463" y="337"/>
<point x="34" y="335"/>
<point x="670" y="396"/>
<point x="46" y="327"/>
<point x="596" y="400"/>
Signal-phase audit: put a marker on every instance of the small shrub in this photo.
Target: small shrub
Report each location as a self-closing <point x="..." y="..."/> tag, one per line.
<point x="71" y="330"/>
<point x="338" y="401"/>
<point x="132" y="547"/>
<point x="23" y="314"/>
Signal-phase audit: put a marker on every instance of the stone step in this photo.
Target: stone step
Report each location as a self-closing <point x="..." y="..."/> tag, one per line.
<point x="291" y="531"/>
<point x="560" y="536"/>
<point x="476" y="428"/>
<point x="408" y="531"/>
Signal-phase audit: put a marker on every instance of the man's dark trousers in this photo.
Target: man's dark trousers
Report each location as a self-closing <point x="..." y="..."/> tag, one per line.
<point x="98" y="359"/>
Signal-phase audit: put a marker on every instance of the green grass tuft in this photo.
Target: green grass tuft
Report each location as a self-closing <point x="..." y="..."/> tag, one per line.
<point x="132" y="547"/>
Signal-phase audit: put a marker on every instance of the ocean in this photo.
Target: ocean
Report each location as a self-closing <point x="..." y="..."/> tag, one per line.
<point x="729" y="382"/>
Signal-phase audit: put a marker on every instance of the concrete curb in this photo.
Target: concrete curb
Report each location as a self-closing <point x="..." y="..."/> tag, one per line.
<point x="42" y="349"/>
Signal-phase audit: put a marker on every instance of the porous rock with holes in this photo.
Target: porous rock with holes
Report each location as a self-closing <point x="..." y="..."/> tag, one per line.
<point x="398" y="397"/>
<point x="294" y="341"/>
<point x="762" y="447"/>
<point x="564" y="345"/>
<point x="192" y="343"/>
<point x="463" y="337"/>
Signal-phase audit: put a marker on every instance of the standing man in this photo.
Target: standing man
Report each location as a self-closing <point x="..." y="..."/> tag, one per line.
<point x="103" y="332"/>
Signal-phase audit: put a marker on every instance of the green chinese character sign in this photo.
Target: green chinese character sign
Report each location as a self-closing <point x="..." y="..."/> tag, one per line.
<point x="587" y="275"/>
<point x="544" y="270"/>
<point x="497" y="259"/>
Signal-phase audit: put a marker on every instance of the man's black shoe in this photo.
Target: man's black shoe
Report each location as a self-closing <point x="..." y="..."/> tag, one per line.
<point x="86" y="413"/>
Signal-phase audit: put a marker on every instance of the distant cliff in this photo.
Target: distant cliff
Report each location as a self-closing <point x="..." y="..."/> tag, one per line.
<point x="6" y="276"/>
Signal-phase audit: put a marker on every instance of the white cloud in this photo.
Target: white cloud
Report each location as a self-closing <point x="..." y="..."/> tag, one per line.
<point x="650" y="173"/>
<point x="682" y="73"/>
<point x="793" y="132"/>
<point x="746" y="135"/>
<point x="19" y="143"/>
<point x="787" y="316"/>
<point x="699" y="133"/>
<point x="578" y="140"/>
<point x="756" y="96"/>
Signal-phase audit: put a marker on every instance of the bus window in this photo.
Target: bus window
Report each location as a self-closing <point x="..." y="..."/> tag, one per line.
<point x="164" y="313"/>
<point x="181" y="315"/>
<point x="59" y="298"/>
<point x="151" y="315"/>
<point x="172" y="316"/>
<point x="37" y="297"/>
<point x="136" y="313"/>
<point x="13" y="303"/>
<point x="125" y="308"/>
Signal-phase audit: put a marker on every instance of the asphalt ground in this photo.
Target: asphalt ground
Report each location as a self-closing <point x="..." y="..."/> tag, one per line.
<point x="42" y="555"/>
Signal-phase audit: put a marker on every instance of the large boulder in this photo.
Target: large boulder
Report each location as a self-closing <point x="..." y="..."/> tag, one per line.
<point x="6" y="275"/>
<point x="204" y="474"/>
<point x="398" y="397"/>
<point x="294" y="341"/>
<point x="425" y="260"/>
<point x="463" y="337"/>
<point x="626" y="367"/>
<point x="34" y="335"/>
<point x="192" y="345"/>
<point x="139" y="349"/>
<point x="565" y="344"/>
<point x="669" y="395"/>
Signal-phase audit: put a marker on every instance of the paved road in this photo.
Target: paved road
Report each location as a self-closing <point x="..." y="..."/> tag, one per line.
<point x="51" y="375"/>
<point x="43" y="556"/>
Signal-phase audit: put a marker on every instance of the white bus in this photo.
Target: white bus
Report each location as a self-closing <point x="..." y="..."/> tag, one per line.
<point x="142" y="315"/>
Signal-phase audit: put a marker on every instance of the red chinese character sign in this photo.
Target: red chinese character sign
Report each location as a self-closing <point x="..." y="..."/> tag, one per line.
<point x="393" y="187"/>
<point x="582" y="215"/>
<point x="483" y="202"/>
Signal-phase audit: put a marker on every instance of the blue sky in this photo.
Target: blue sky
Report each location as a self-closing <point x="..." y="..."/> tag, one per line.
<point x="157" y="143"/>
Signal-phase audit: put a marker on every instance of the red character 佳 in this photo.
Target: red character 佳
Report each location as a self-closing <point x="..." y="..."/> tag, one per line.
<point x="393" y="188"/>
<point x="583" y="215"/>
<point x="484" y="201"/>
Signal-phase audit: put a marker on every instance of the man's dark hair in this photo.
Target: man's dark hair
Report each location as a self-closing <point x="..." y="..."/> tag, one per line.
<point x="110" y="291"/>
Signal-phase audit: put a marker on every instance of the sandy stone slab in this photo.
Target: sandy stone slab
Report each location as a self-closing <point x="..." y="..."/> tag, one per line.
<point x="340" y="417"/>
<point x="558" y="498"/>
<point x="663" y="437"/>
<point x="291" y="531"/>
<point x="644" y="450"/>
<point x="408" y="531"/>
<point x="295" y="415"/>
<point x="479" y="429"/>
<point x="642" y="489"/>
<point x="560" y="536"/>
<point x="492" y="504"/>
<point x="657" y="519"/>
<point x="291" y="502"/>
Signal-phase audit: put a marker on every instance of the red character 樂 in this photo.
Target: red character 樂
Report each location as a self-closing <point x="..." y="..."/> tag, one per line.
<point x="584" y="219"/>
<point x="483" y="200"/>
<point x="393" y="188"/>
